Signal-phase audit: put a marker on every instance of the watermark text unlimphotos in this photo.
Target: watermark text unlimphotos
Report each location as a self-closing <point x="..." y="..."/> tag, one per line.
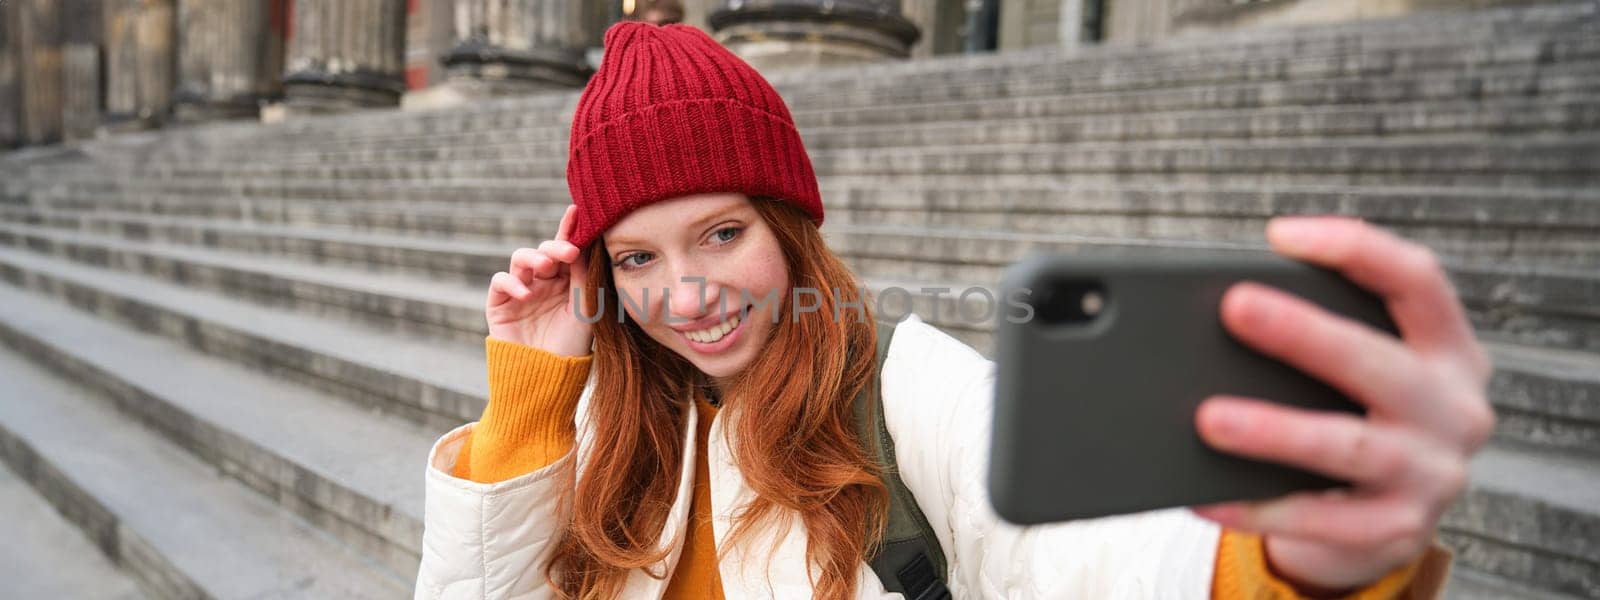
<point x="973" y="306"/>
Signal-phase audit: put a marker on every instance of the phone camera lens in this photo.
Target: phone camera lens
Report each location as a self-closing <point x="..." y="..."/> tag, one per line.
<point x="1069" y="302"/>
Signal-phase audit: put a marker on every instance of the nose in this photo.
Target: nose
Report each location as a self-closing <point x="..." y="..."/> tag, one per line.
<point x="692" y="297"/>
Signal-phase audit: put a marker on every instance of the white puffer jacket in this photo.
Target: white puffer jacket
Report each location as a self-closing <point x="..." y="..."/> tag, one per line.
<point x="491" y="540"/>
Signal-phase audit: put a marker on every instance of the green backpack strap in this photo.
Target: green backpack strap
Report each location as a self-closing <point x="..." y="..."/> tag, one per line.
<point x="909" y="559"/>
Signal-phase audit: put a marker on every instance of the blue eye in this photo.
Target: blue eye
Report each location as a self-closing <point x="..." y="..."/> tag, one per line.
<point x="718" y="234"/>
<point x="634" y="265"/>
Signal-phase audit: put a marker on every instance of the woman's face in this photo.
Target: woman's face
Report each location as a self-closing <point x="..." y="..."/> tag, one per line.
<point x="690" y="266"/>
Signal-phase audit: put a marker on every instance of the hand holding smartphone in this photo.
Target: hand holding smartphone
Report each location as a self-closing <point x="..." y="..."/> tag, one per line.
<point x="1096" y="390"/>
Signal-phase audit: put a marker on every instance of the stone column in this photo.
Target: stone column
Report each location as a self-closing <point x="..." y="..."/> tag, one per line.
<point x="519" y="46"/>
<point x="10" y="78"/>
<point x="345" y="54"/>
<point x="38" y="63"/>
<point x="230" y="58"/>
<point x="80" y="91"/>
<point x="430" y="28"/>
<point x="141" y="36"/>
<point x="780" y="34"/>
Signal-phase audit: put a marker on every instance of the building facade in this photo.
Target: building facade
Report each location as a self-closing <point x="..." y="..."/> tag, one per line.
<point x="72" y="68"/>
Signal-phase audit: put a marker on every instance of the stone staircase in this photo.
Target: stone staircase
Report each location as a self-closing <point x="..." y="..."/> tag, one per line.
<point x="229" y="346"/>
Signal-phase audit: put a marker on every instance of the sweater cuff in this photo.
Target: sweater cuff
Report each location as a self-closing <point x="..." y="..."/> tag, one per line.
<point x="1242" y="572"/>
<point x="528" y="424"/>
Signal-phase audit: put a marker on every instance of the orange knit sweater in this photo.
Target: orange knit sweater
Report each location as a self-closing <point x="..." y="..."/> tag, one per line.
<point x="528" y="424"/>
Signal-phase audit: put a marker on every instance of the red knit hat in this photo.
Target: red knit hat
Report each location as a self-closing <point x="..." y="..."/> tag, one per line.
<point x="671" y="112"/>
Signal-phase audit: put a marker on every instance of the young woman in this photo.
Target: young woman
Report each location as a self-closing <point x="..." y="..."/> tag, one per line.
<point x="698" y="442"/>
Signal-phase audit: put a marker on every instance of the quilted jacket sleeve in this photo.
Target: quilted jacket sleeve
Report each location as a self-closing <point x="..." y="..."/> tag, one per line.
<point x="489" y="539"/>
<point x="938" y="406"/>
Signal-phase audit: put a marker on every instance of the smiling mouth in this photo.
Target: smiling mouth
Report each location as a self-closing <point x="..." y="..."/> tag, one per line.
<point x="715" y="332"/>
<point x="716" y="337"/>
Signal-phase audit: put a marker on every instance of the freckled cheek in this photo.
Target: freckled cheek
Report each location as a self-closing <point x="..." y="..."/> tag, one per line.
<point x="759" y="271"/>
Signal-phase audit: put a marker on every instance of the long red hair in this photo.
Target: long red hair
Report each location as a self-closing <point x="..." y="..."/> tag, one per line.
<point x="788" y="418"/>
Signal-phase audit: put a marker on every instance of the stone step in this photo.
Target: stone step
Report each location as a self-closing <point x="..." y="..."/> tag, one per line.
<point x="178" y="527"/>
<point x="1090" y="66"/>
<point x="473" y="191"/>
<point x="1470" y="584"/>
<point x="47" y="556"/>
<point x="1517" y="116"/>
<point x="1433" y="86"/>
<point x="1062" y="76"/>
<point x="1051" y="73"/>
<point x="452" y="262"/>
<point x="1547" y="397"/>
<point x="394" y="302"/>
<point x="1536" y="305"/>
<point x="1537" y="227"/>
<point x="1530" y="516"/>
<point x="1025" y="203"/>
<point x="1529" y="304"/>
<point x="416" y="378"/>
<point x="1549" y="80"/>
<point x="1468" y="160"/>
<point x="1517" y="22"/>
<point x="1556" y="80"/>
<point x="290" y="443"/>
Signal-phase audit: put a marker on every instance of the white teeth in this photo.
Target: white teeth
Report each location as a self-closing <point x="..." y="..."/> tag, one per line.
<point x="715" y="332"/>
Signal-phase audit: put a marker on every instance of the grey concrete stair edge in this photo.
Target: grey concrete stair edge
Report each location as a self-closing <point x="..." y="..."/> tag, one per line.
<point x="382" y="516"/>
<point x="434" y="386"/>
<point x="1512" y="114"/>
<point x="161" y="514"/>
<point x="1210" y="67"/>
<point x="1567" y="50"/>
<point x="1061" y="77"/>
<point x="1444" y="154"/>
<point x="1556" y="80"/>
<point x="1532" y="516"/>
<point x="1538" y="570"/>
<point x="1553" y="84"/>
<point x="1547" y="397"/>
<point x="1547" y="229"/>
<point x="458" y="262"/>
<point x="1470" y="584"/>
<point x="1485" y="84"/>
<point x="1037" y="197"/>
<point x="1502" y="164"/>
<point x="389" y="302"/>
<point x="1542" y="304"/>
<point x="1007" y="64"/>
<point x="921" y="253"/>
<point x="492" y="188"/>
<point x="47" y="556"/>
<point x="1544" y="116"/>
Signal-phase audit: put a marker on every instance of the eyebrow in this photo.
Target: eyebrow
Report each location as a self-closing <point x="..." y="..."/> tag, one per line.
<point x="708" y="217"/>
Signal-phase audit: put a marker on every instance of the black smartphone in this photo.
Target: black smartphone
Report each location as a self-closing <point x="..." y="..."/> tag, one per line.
<point x="1102" y="361"/>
